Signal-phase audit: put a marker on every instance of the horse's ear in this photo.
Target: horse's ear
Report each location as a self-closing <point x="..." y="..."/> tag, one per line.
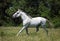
<point x="19" y="10"/>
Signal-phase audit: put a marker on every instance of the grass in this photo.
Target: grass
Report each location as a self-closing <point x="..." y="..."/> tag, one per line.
<point x="9" y="34"/>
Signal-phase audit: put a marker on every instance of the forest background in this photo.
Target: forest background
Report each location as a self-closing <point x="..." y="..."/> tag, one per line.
<point x="49" y="9"/>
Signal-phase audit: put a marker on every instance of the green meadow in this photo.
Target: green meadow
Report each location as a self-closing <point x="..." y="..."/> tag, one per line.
<point x="9" y="34"/>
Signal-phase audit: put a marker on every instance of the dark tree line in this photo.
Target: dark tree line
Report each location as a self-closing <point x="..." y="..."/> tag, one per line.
<point x="45" y="8"/>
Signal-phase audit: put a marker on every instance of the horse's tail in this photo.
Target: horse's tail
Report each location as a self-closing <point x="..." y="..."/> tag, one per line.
<point x="51" y="24"/>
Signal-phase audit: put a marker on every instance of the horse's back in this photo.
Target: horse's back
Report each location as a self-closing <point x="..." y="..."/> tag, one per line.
<point x="39" y="18"/>
<point x="36" y="20"/>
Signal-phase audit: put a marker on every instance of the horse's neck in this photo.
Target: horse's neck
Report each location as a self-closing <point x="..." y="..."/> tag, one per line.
<point x="24" y="16"/>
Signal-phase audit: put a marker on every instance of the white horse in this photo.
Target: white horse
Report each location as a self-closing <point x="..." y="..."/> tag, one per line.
<point x="29" y="21"/>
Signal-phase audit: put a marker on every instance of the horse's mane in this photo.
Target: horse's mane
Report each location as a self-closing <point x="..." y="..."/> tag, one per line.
<point x="25" y="13"/>
<point x="29" y="16"/>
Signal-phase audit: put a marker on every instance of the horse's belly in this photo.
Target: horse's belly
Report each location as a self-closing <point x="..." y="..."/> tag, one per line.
<point x="35" y="22"/>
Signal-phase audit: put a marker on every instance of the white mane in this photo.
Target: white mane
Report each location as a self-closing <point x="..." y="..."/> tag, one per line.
<point x="26" y="14"/>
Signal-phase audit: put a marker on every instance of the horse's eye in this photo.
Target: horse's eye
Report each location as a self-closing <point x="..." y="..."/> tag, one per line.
<point x="17" y="13"/>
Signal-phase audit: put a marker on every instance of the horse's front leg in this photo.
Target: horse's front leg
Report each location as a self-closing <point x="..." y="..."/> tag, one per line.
<point x="21" y="30"/>
<point x="27" y="30"/>
<point x="27" y="25"/>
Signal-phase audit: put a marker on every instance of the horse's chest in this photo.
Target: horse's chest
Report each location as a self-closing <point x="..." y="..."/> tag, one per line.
<point x="27" y="21"/>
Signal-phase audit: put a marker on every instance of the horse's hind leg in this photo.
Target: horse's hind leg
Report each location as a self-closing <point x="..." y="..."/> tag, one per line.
<point x="37" y="28"/>
<point x="44" y="27"/>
